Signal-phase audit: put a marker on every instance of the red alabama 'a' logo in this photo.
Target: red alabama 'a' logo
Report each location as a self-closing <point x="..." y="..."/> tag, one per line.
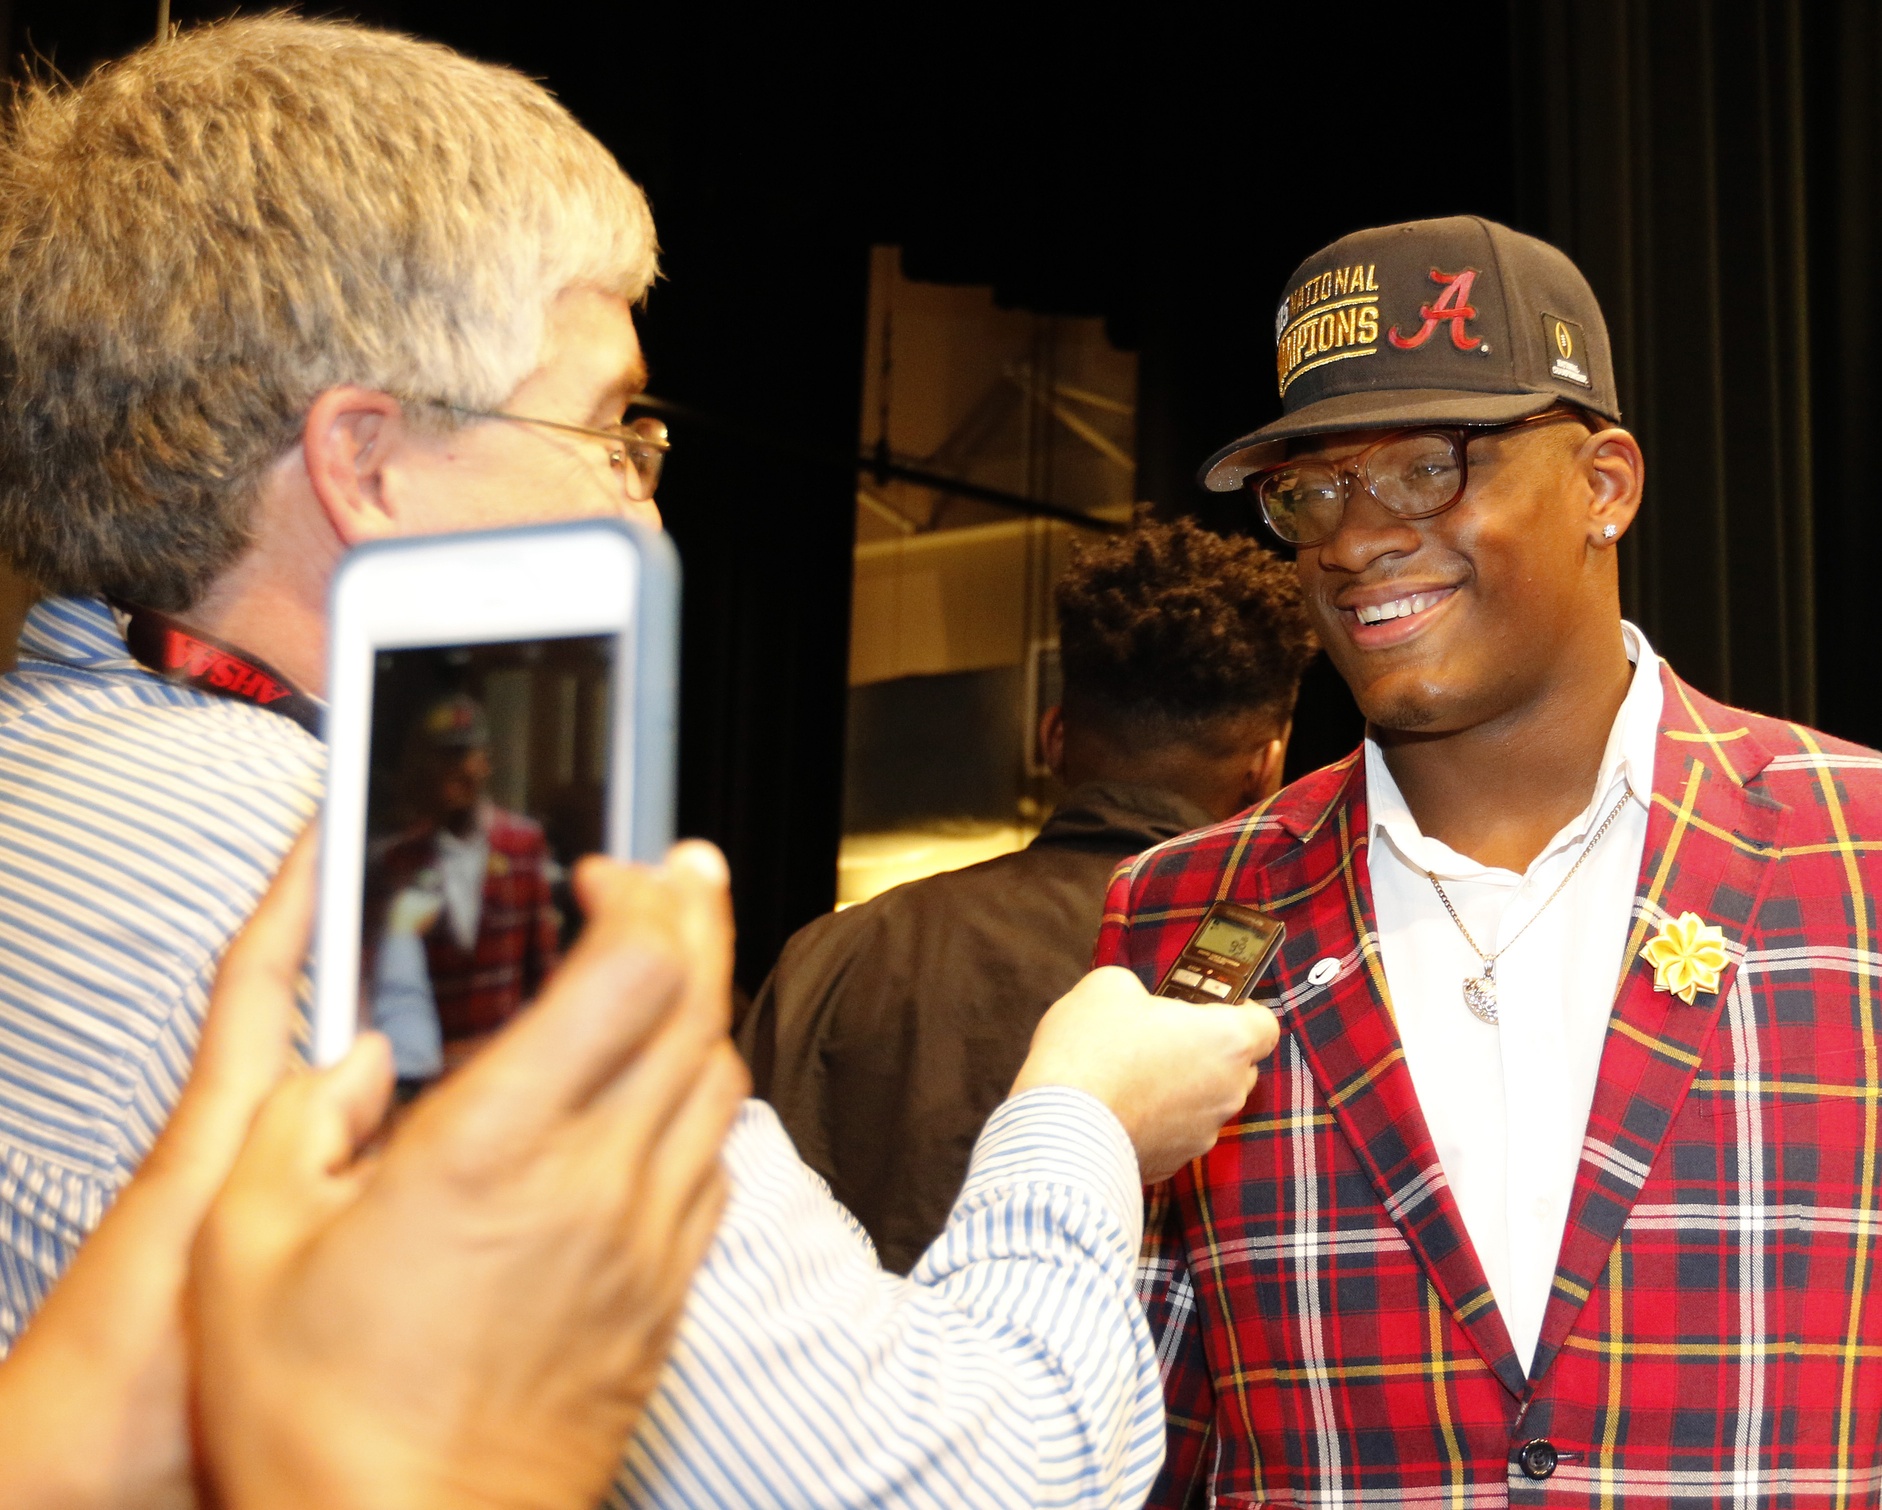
<point x="1453" y="305"/>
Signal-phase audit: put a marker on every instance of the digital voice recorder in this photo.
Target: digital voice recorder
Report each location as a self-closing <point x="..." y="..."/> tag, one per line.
<point x="1224" y="956"/>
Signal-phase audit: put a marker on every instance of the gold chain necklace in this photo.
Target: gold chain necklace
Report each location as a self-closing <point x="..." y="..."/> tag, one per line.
<point x="1480" y="990"/>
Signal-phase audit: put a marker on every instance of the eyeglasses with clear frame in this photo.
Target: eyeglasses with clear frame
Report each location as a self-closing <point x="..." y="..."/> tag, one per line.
<point x="637" y="450"/>
<point x="1413" y="473"/>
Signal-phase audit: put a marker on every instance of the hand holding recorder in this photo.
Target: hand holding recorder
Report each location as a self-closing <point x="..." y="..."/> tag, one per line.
<point x="1171" y="1072"/>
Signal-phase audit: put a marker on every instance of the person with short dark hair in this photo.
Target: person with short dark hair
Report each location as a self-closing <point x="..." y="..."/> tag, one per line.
<point x="887" y="1032"/>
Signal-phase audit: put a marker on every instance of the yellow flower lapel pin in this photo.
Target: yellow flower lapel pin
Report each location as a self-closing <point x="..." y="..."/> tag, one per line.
<point x="1687" y="955"/>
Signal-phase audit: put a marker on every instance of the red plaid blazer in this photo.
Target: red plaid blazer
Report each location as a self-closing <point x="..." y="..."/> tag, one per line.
<point x="1714" y="1333"/>
<point x="479" y="989"/>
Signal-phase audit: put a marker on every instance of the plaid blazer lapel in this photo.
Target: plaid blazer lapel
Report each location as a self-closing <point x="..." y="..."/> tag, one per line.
<point x="1710" y="835"/>
<point x="1350" y="1042"/>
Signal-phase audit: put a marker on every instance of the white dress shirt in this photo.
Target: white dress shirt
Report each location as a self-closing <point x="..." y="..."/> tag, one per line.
<point x="462" y="865"/>
<point x="1508" y="1104"/>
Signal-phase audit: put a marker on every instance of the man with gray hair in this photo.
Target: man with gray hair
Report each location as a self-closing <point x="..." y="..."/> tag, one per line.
<point x="268" y="290"/>
<point x="258" y="285"/>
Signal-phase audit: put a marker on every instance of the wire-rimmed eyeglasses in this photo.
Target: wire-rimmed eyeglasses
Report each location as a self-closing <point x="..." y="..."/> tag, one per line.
<point x="637" y="449"/>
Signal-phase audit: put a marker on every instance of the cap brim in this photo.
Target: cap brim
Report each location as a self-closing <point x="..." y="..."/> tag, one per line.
<point x="1380" y="410"/>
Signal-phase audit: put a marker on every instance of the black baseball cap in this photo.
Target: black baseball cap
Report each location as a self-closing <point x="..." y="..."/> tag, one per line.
<point x="1453" y="322"/>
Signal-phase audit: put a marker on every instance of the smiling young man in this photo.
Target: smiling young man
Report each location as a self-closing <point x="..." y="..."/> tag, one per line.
<point x="1565" y="1184"/>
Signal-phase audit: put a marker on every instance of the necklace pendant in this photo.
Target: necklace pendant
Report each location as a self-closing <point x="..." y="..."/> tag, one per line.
<point x="1480" y="997"/>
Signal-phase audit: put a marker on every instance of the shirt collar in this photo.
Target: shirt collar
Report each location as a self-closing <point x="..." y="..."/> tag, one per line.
<point x="87" y="632"/>
<point x="1627" y="762"/>
<point x="76" y="632"/>
<point x="1120" y="816"/>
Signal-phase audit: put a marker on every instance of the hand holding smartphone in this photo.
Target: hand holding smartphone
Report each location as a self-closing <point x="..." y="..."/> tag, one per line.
<point x="501" y="703"/>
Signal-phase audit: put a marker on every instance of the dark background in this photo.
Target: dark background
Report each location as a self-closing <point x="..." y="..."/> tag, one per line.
<point x="1711" y="165"/>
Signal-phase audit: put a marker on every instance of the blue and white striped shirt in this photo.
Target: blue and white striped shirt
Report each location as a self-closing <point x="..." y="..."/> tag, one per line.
<point x="1012" y="1368"/>
<point x="140" y="822"/>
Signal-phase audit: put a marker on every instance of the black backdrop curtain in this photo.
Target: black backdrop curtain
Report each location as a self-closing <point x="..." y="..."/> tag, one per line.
<point x="1843" y="156"/>
<point x="1712" y="166"/>
<point x="1661" y="144"/>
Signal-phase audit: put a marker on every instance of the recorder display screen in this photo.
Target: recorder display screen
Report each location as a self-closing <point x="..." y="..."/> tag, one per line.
<point x="1231" y="940"/>
<point x="488" y="780"/>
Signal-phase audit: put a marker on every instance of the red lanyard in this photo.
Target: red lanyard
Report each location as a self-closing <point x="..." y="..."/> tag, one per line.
<point x="190" y="658"/>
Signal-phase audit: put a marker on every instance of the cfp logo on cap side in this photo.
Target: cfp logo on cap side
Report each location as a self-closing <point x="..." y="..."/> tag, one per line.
<point x="1329" y="318"/>
<point x="1564" y="340"/>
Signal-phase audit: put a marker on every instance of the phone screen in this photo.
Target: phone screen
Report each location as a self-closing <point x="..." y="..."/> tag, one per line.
<point x="488" y="779"/>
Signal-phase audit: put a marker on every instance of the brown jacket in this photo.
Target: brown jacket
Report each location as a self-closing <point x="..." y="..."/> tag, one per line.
<point x="887" y="1033"/>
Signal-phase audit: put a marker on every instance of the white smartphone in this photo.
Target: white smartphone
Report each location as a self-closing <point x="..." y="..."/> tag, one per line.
<point x="500" y="704"/>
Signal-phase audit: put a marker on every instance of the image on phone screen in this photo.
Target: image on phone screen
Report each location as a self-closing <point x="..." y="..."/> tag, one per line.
<point x="488" y="773"/>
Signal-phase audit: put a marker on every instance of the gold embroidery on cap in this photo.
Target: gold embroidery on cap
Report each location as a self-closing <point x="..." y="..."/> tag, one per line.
<point x="1332" y="316"/>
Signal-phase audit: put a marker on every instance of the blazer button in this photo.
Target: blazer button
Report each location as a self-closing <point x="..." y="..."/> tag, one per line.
<point x="1538" y="1458"/>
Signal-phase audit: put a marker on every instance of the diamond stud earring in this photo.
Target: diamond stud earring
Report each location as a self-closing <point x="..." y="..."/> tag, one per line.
<point x="1609" y="531"/>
